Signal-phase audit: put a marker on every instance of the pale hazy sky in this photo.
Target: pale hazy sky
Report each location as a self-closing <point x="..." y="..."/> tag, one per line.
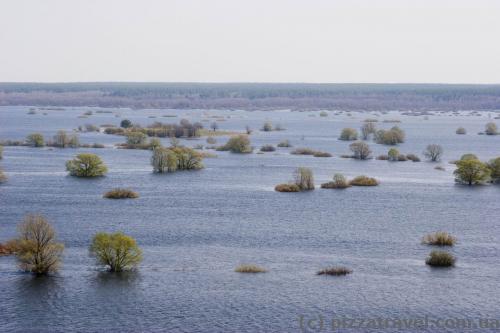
<point x="453" y="41"/>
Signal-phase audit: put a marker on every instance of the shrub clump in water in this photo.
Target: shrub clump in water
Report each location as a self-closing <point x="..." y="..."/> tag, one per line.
<point x="363" y="181"/>
<point x="440" y="259"/>
<point x="239" y="144"/>
<point x="249" y="269"/>
<point x="284" y="144"/>
<point x="118" y="252"/>
<point x="267" y="148"/>
<point x="175" y="158"/>
<point x="287" y="188"/>
<point x="439" y="238"/>
<point x="86" y="165"/>
<point x="121" y="193"/>
<point x="339" y="182"/>
<point x="335" y="271"/>
<point x="36" y="248"/>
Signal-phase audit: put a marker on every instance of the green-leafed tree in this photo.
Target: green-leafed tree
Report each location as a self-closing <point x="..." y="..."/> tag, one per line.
<point x="471" y="172"/>
<point x="116" y="251"/>
<point x="86" y="165"/>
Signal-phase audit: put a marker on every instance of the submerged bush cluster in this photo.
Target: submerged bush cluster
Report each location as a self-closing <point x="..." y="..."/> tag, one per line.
<point x="175" y="158"/>
<point x="339" y="182"/>
<point x="249" y="269"/>
<point x="303" y="180"/>
<point x="390" y="137"/>
<point x="239" y="144"/>
<point x="86" y="165"/>
<point x="440" y="259"/>
<point x="363" y="181"/>
<point x="121" y="193"/>
<point x="335" y="271"/>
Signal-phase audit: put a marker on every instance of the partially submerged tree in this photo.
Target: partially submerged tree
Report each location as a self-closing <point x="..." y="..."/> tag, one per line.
<point x="390" y="137"/>
<point x="367" y="129"/>
<point x="238" y="144"/>
<point x="433" y="152"/>
<point x="267" y="127"/>
<point x="303" y="178"/>
<point x="361" y="150"/>
<point x="348" y="134"/>
<point x="116" y="251"/>
<point x="461" y="131"/>
<point x="36" y="248"/>
<point x="339" y="182"/>
<point x="125" y="123"/>
<point x="491" y="129"/>
<point x="35" y="140"/>
<point x="471" y="172"/>
<point x="494" y="166"/>
<point x="136" y="138"/>
<point x="393" y="154"/>
<point x="63" y="140"/>
<point x="175" y="158"/>
<point x="86" y="165"/>
<point x="214" y="126"/>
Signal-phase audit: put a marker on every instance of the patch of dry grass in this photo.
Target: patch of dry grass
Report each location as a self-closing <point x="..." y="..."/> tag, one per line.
<point x="439" y="238"/>
<point x="363" y="181"/>
<point x="249" y="268"/>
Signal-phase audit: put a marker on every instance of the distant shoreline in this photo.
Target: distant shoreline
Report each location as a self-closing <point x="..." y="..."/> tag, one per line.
<point x="256" y="96"/>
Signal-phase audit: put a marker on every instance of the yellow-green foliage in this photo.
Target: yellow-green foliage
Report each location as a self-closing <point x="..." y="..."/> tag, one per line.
<point x="35" y="140"/>
<point x="237" y="144"/>
<point x="494" y="166"/>
<point x="390" y="137"/>
<point x="116" y="251"/>
<point x="121" y="193"/>
<point x="175" y="158"/>
<point x="471" y="172"/>
<point x="86" y="165"/>
<point x="250" y="269"/>
<point x="363" y="181"/>
<point x="439" y="238"/>
<point x="36" y="248"/>
<point x="440" y="259"/>
<point x="339" y="182"/>
<point x="348" y="134"/>
<point x="335" y="271"/>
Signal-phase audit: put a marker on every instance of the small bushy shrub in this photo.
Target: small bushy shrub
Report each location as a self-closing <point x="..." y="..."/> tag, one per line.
<point x="335" y="271"/>
<point x="239" y="144"/>
<point x="249" y="269"/>
<point x="117" y="251"/>
<point x="368" y="128"/>
<point x="86" y="165"/>
<point x="121" y="193"/>
<point x="440" y="259"/>
<point x="125" y="123"/>
<point x="413" y="157"/>
<point x="284" y="144"/>
<point x="267" y="148"/>
<point x="494" y="166"/>
<point x="461" y="131"/>
<point x="363" y="181"/>
<point x="267" y="127"/>
<point x="348" y="134"/>
<point x="35" y="140"/>
<point x="3" y="178"/>
<point x="211" y="140"/>
<point x="136" y="138"/>
<point x="491" y="129"/>
<point x="439" y="238"/>
<point x="303" y="151"/>
<point x="321" y="154"/>
<point x="339" y="182"/>
<point x="393" y="154"/>
<point x="287" y="188"/>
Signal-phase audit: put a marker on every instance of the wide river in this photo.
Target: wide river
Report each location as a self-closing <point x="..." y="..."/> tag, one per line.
<point x="196" y="227"/>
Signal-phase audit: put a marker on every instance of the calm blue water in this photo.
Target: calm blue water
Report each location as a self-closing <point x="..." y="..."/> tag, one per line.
<point x="196" y="227"/>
